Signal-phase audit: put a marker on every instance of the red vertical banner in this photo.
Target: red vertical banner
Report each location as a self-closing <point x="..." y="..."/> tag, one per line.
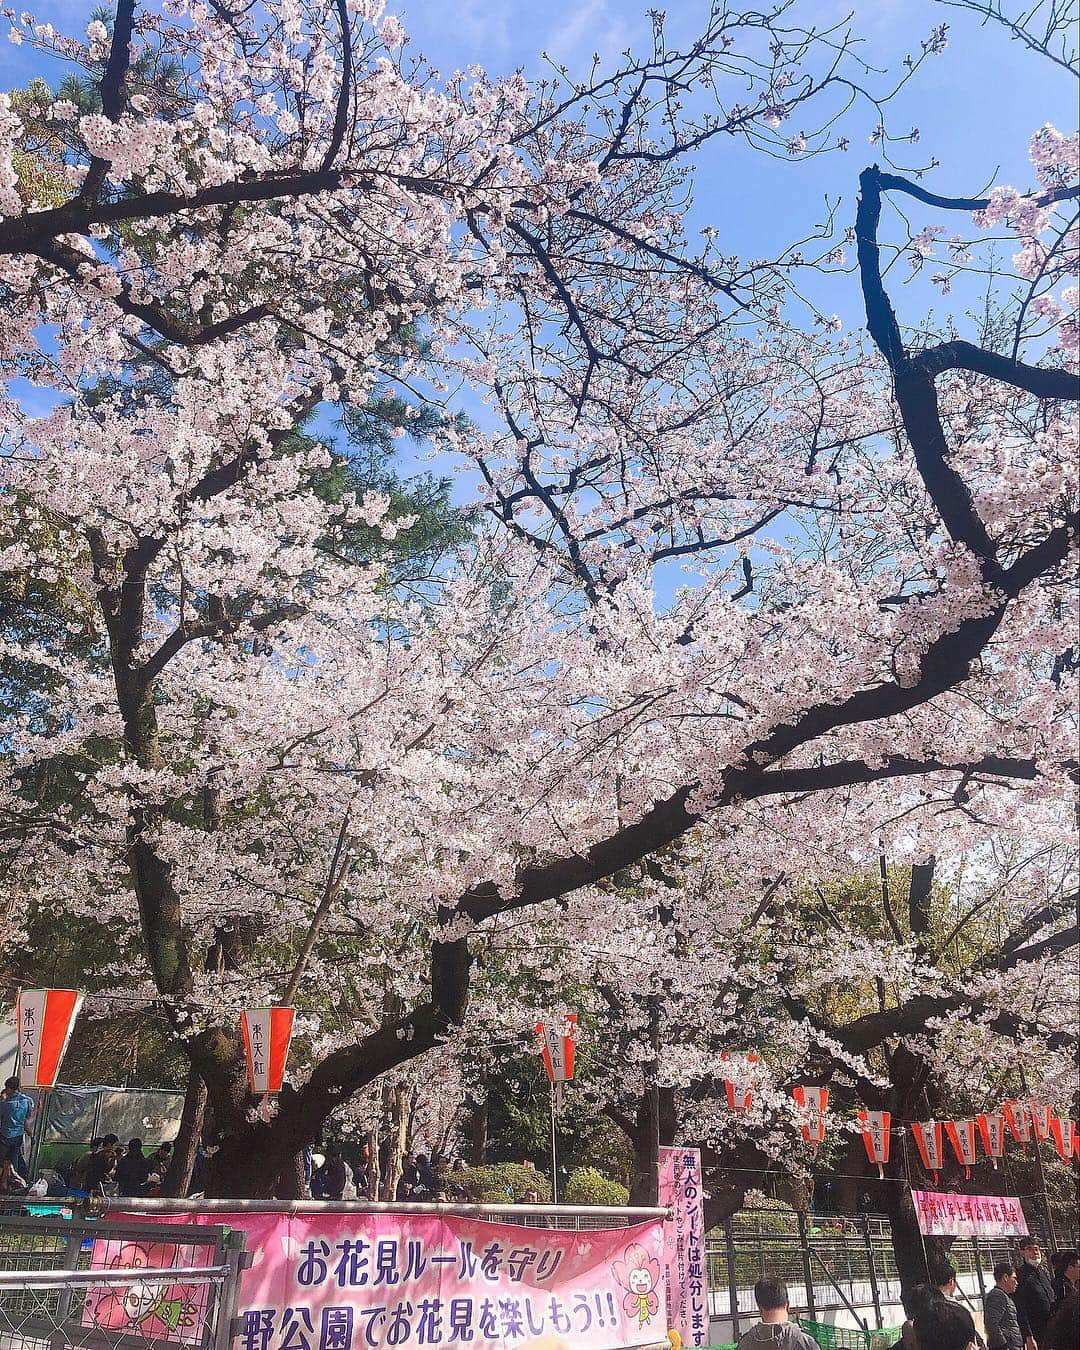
<point x="1040" y="1120"/>
<point x="962" y="1137"/>
<point x="1016" y="1117"/>
<point x="267" y="1034"/>
<point x="875" y="1127"/>
<point x="45" y="1019"/>
<point x="813" y="1103"/>
<point x="739" y="1088"/>
<point x="685" y="1266"/>
<point x="1063" y="1133"/>
<point x="931" y="1147"/>
<point x="992" y="1131"/>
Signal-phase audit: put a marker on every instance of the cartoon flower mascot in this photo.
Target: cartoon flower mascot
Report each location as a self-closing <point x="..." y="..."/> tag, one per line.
<point x="145" y="1308"/>
<point x="639" y="1274"/>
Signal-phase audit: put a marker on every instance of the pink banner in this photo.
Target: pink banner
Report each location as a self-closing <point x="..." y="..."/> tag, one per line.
<point x="942" y="1214"/>
<point x="351" y="1281"/>
<point x="174" y="1311"/>
<point x="684" y="1244"/>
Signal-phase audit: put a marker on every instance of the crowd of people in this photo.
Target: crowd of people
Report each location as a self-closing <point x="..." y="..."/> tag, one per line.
<point x="109" y="1168"/>
<point x="1028" y="1308"/>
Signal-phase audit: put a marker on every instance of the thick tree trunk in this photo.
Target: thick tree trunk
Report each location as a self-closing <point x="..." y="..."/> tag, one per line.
<point x="654" y="1127"/>
<point x="372" y="1179"/>
<point x="178" y="1177"/>
<point x="911" y="1249"/>
<point x="397" y="1100"/>
<point x="477" y="1132"/>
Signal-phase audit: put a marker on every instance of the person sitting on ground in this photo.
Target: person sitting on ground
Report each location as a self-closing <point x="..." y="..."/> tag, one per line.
<point x="944" y="1325"/>
<point x="1034" y="1295"/>
<point x="78" y="1172"/>
<point x="943" y="1278"/>
<point x="156" y="1167"/>
<point x="102" y="1168"/>
<point x="132" y="1170"/>
<point x="775" y="1329"/>
<point x="999" y="1311"/>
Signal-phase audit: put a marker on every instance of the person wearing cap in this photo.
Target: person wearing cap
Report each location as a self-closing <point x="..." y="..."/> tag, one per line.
<point x="1034" y="1295"/>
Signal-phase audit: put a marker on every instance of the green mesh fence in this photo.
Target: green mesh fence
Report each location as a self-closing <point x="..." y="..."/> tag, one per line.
<point x="840" y="1338"/>
<point x="849" y="1338"/>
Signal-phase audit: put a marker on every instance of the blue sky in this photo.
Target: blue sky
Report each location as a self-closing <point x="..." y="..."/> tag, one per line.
<point x="976" y="104"/>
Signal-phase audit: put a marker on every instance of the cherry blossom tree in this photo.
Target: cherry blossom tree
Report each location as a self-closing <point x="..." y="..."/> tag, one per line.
<point x="271" y="748"/>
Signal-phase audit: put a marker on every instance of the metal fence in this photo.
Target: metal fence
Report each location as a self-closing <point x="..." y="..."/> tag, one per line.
<point x="830" y="1263"/>
<point x="107" y="1286"/>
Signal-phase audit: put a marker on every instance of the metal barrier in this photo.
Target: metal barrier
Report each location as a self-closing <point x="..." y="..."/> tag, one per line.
<point x="108" y="1286"/>
<point x="830" y="1263"/>
<point x="578" y="1218"/>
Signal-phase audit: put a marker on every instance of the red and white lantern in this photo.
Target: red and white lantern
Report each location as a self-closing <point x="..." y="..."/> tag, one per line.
<point x="739" y="1089"/>
<point x="558" y="1040"/>
<point x="267" y="1033"/>
<point x="1064" y="1135"/>
<point x="1040" y="1120"/>
<point x="930" y="1144"/>
<point x="812" y="1102"/>
<point x="875" y="1127"/>
<point x="992" y="1131"/>
<point x="45" y="1019"/>
<point x="1016" y="1117"/>
<point x="962" y="1137"/>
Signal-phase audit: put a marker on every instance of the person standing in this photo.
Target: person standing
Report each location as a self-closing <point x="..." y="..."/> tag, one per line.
<point x="16" y="1113"/>
<point x="1034" y="1295"/>
<point x="944" y="1279"/>
<point x="775" y="1331"/>
<point x="1063" y="1329"/>
<point x="1066" y="1273"/>
<point x="999" y="1311"/>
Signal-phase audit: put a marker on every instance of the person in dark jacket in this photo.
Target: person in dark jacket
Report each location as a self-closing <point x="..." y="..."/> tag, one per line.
<point x="132" y="1170"/>
<point x="944" y="1325"/>
<point x="330" y="1178"/>
<point x="1066" y="1273"/>
<point x="1062" y="1332"/>
<point x="999" y="1311"/>
<point x="1034" y="1295"/>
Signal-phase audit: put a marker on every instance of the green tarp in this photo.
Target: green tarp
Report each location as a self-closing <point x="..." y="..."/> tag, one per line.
<point x="842" y="1338"/>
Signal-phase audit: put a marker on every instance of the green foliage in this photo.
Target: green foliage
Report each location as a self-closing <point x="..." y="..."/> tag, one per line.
<point x="509" y="1182"/>
<point x="587" y="1186"/>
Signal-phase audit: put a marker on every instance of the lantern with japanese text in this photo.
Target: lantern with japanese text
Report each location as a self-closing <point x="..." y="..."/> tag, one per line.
<point x="739" y="1088"/>
<point x="1064" y="1135"/>
<point x="929" y="1142"/>
<point x="558" y="1042"/>
<point x="962" y="1137"/>
<point x="267" y="1033"/>
<point x="1040" y="1121"/>
<point x="1016" y="1117"/>
<point x="812" y="1102"/>
<point x="992" y="1131"/>
<point x="44" y="1019"/>
<point x="875" y="1127"/>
